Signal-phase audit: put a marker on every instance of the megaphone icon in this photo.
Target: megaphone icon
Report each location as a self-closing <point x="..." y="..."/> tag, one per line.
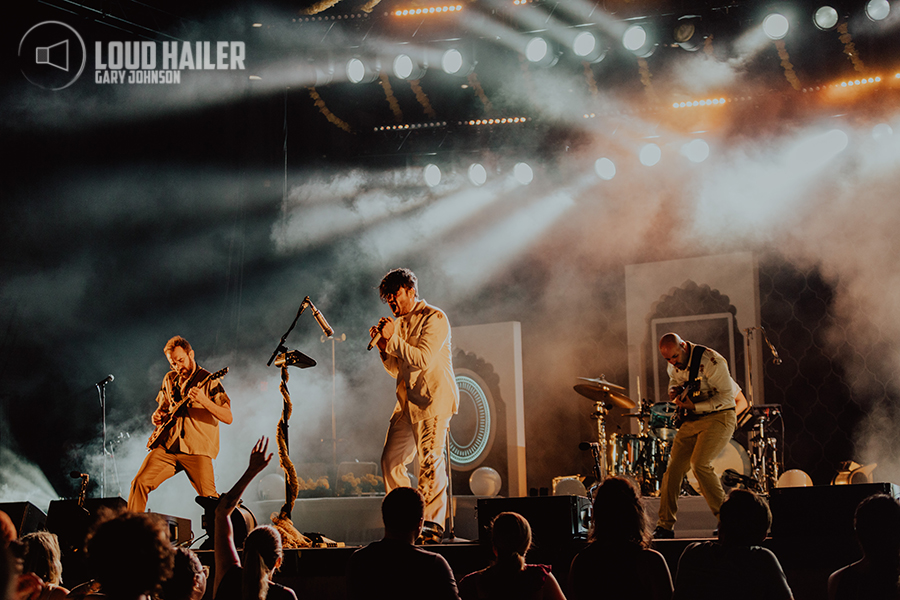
<point x="60" y="58"/>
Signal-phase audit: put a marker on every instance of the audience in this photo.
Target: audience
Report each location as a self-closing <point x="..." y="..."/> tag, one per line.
<point x="736" y="566"/>
<point x="509" y="576"/>
<point x="43" y="558"/>
<point x="877" y="574"/>
<point x="394" y="567"/>
<point x="188" y="580"/>
<point x="618" y="562"/>
<point x="252" y="579"/>
<point x="130" y="556"/>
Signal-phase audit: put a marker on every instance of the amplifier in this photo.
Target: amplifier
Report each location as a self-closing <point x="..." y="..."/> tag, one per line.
<point x="554" y="520"/>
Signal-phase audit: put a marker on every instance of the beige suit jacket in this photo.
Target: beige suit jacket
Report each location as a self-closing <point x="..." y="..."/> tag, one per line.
<point x="419" y="356"/>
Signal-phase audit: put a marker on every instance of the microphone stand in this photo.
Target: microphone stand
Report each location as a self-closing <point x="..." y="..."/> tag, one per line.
<point x="101" y="389"/>
<point x="333" y="339"/>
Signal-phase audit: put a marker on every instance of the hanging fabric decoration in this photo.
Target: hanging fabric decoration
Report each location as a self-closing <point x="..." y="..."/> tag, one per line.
<point x="389" y="94"/>
<point x="320" y="104"/>
<point x="786" y="64"/>
<point x="318" y="7"/>
<point x="422" y="98"/>
<point x="644" y="69"/>
<point x="591" y="80"/>
<point x="479" y="91"/>
<point x="369" y="6"/>
<point x="850" y="48"/>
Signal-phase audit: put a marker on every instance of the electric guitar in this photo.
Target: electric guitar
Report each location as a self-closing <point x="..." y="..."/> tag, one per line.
<point x="689" y="388"/>
<point x="173" y="411"/>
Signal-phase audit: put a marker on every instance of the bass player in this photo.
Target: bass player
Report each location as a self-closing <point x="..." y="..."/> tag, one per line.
<point x="190" y="405"/>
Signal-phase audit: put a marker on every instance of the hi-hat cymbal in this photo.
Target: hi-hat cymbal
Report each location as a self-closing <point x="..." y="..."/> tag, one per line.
<point x="602" y="382"/>
<point x="607" y="396"/>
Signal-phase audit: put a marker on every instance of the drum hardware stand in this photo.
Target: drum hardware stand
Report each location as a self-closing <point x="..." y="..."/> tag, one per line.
<point x="765" y="455"/>
<point x="601" y="454"/>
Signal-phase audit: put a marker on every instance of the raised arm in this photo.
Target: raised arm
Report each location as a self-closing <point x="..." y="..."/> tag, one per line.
<point x="225" y="549"/>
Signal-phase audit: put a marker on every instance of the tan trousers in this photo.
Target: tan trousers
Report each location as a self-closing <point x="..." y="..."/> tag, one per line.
<point x="160" y="465"/>
<point x="696" y="445"/>
<point x="406" y="440"/>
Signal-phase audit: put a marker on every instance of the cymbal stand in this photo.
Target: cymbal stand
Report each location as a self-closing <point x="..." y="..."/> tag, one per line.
<point x="765" y="459"/>
<point x="599" y="415"/>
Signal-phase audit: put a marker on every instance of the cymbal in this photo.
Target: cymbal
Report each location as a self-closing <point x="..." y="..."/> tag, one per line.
<point x="602" y="382"/>
<point x="599" y="394"/>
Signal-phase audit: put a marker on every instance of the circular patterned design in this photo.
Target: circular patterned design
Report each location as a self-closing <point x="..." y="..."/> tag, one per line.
<point x="474" y="397"/>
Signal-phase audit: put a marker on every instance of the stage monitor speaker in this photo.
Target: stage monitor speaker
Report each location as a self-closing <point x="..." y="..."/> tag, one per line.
<point x="72" y="523"/>
<point x="27" y="517"/>
<point x="824" y="510"/>
<point x="180" y="533"/>
<point x="555" y="520"/>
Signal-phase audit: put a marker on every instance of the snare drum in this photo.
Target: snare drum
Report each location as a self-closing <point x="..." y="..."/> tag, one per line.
<point x="662" y="420"/>
<point x="733" y="456"/>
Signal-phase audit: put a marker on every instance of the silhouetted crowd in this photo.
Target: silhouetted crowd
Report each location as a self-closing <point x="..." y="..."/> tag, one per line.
<point x="130" y="557"/>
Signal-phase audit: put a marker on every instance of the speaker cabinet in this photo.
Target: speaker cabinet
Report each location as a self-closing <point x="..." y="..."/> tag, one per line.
<point x="555" y="520"/>
<point x="180" y="532"/>
<point x="818" y="511"/>
<point x="27" y="517"/>
<point x="71" y="523"/>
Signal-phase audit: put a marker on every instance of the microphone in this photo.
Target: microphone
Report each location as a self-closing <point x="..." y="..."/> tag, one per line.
<point x="77" y="475"/>
<point x="326" y="328"/>
<point x="588" y="445"/>
<point x="374" y="341"/>
<point x="109" y="379"/>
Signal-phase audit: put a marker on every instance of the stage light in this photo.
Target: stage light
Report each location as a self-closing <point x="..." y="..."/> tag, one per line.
<point x="406" y="67"/>
<point x="455" y="62"/>
<point x="589" y="47"/>
<point x="541" y="52"/>
<point x="696" y="150"/>
<point x="878" y="10"/>
<point x="775" y="26"/>
<point x="688" y="33"/>
<point x="637" y="40"/>
<point x="360" y="72"/>
<point x="477" y="174"/>
<point x="825" y="18"/>
<point x="650" y="155"/>
<point x="605" y="168"/>
<point x="523" y="173"/>
<point x="432" y="175"/>
<point x="882" y="131"/>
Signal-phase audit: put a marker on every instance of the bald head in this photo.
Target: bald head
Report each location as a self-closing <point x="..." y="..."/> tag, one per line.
<point x="674" y="350"/>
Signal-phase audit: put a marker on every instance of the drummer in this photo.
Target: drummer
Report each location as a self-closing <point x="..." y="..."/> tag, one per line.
<point x="709" y="422"/>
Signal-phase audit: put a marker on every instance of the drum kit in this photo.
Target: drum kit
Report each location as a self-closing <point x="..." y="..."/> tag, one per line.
<point x="643" y="457"/>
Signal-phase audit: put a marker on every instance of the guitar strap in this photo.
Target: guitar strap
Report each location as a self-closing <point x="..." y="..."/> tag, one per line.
<point x="694" y="368"/>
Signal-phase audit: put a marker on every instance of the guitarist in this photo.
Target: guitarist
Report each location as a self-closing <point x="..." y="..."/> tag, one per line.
<point x="189" y="439"/>
<point x="704" y="392"/>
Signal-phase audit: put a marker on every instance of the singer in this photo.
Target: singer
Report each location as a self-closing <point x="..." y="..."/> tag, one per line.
<point x="415" y="349"/>
<point x="192" y="440"/>
<point x="709" y="422"/>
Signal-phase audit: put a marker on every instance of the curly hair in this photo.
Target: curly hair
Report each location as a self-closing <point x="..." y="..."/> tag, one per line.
<point x="396" y="279"/>
<point x="618" y="514"/>
<point x="186" y="570"/>
<point x="130" y="554"/>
